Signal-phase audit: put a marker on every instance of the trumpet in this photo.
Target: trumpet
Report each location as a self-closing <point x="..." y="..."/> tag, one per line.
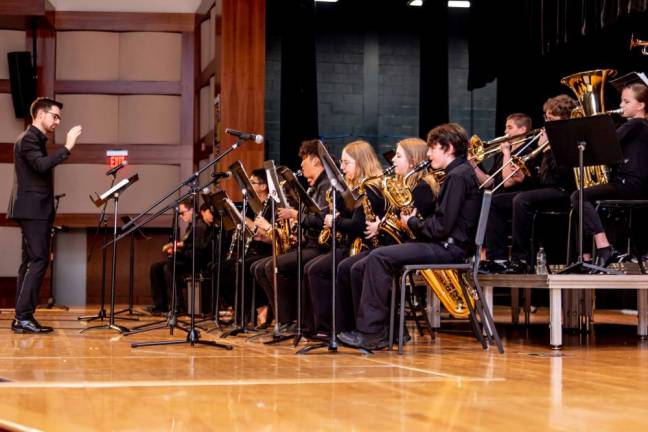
<point x="634" y="42"/>
<point x="480" y="150"/>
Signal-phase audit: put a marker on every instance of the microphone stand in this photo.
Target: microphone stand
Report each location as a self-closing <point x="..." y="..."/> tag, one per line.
<point x="216" y="296"/>
<point x="51" y="301"/>
<point x="299" y="333"/>
<point x="131" y="273"/>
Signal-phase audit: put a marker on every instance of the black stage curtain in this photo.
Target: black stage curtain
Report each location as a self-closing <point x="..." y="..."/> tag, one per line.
<point x="529" y="45"/>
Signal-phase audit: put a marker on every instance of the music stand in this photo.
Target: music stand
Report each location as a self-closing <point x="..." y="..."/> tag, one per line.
<point x="297" y="193"/>
<point x="577" y="143"/>
<point x="131" y="268"/>
<point x="113" y="194"/>
<point x="338" y="185"/>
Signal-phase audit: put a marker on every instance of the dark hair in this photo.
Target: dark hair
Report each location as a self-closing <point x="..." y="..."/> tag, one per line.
<point x="187" y="202"/>
<point x="561" y="106"/>
<point x="309" y="148"/>
<point x="260" y="173"/>
<point x="204" y="207"/>
<point x="43" y="103"/>
<point x="520" y="120"/>
<point x="449" y="134"/>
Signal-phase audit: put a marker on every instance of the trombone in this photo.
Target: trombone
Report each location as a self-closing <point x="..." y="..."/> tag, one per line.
<point x="537" y="133"/>
<point x="520" y="163"/>
<point x="480" y="150"/>
<point x="634" y="42"/>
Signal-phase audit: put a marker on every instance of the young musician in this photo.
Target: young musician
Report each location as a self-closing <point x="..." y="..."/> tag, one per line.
<point x="31" y="205"/>
<point x="446" y="236"/>
<point x="628" y="179"/>
<point x="551" y="189"/>
<point x="161" y="273"/>
<point x="358" y="161"/>
<point x="496" y="245"/>
<point x="311" y="224"/>
<point x="424" y="187"/>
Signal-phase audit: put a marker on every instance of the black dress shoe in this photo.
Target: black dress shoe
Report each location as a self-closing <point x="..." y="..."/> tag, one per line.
<point x="516" y="267"/>
<point x="351" y="338"/>
<point x="491" y="267"/>
<point x="606" y="256"/>
<point x="29" y="326"/>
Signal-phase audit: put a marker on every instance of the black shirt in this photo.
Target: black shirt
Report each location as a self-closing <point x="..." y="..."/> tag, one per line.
<point x="457" y="211"/>
<point x="633" y="170"/>
<point x="312" y="224"/>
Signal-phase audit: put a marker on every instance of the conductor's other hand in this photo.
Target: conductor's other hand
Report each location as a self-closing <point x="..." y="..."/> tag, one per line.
<point x="72" y="136"/>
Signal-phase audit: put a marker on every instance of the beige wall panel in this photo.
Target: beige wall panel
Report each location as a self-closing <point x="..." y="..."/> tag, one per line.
<point x="6" y="182"/>
<point x="205" y="45"/>
<point x="149" y="119"/>
<point x="10" y="40"/>
<point x="10" y="126"/>
<point x="204" y="110"/>
<point x="150" y="56"/>
<point x="11" y="245"/>
<point x="77" y="181"/>
<point x="84" y="55"/>
<point x="98" y="114"/>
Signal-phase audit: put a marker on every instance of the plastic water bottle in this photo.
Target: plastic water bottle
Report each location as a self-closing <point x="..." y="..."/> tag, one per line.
<point x="541" y="262"/>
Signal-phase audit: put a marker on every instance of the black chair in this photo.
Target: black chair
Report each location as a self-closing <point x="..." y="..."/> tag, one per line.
<point x="485" y="325"/>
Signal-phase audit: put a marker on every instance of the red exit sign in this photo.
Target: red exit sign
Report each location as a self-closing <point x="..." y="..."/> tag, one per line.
<point x="116" y="157"/>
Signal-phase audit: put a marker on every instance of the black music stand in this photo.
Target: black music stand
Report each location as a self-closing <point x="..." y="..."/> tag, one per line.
<point x="577" y="143"/>
<point x="113" y="194"/>
<point x="297" y="193"/>
<point x="137" y="234"/>
<point x="338" y="185"/>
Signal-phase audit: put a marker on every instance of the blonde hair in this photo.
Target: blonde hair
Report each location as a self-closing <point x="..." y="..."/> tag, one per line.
<point x="415" y="150"/>
<point x="367" y="164"/>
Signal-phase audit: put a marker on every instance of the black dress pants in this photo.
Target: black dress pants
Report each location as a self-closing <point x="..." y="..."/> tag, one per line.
<point x="525" y="206"/>
<point x="161" y="276"/>
<point x="318" y="284"/>
<point x="591" y="220"/>
<point x="380" y="267"/>
<point x="350" y="273"/>
<point x="263" y="270"/>
<point x="498" y="225"/>
<point x="35" y="259"/>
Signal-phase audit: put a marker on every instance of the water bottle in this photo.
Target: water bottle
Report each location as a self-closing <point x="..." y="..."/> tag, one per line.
<point x="541" y="262"/>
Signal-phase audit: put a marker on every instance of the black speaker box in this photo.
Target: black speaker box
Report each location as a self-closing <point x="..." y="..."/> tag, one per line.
<point x="21" y="78"/>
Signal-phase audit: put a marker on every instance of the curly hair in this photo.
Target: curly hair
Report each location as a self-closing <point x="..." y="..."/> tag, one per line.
<point x="561" y="106"/>
<point x="449" y="134"/>
<point x="309" y="148"/>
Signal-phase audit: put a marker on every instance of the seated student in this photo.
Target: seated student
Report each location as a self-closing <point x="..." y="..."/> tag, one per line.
<point x="628" y="179"/>
<point x="424" y="189"/>
<point x="161" y="273"/>
<point x="551" y="189"/>
<point x="496" y="245"/>
<point x="447" y="236"/>
<point x="311" y="224"/>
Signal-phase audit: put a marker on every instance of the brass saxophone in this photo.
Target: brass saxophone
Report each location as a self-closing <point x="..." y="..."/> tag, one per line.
<point x="281" y="234"/>
<point x="444" y="283"/>
<point x="325" y="234"/>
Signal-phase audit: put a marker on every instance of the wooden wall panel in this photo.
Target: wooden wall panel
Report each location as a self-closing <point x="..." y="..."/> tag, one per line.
<point x="242" y="79"/>
<point x="125" y="21"/>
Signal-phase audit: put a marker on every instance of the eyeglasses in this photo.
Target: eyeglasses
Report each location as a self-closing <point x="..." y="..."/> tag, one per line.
<point x="346" y="162"/>
<point x="54" y="115"/>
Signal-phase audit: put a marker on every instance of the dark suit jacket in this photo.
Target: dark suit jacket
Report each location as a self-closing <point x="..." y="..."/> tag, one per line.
<point x="32" y="195"/>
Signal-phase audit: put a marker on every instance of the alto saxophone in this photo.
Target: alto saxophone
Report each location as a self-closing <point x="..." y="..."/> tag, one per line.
<point x="325" y="234"/>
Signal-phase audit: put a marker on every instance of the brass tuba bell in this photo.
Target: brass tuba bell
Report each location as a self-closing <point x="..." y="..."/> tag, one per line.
<point x="589" y="88"/>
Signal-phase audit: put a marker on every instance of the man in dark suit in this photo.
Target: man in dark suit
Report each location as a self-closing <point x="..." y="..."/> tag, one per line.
<point x="31" y="205"/>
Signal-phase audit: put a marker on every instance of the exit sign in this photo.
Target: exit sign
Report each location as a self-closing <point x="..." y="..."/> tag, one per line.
<point x="115" y="157"/>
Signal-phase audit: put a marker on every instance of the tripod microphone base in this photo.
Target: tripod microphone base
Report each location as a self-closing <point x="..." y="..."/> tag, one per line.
<point x="131" y="312"/>
<point x="278" y="338"/>
<point x="101" y="315"/>
<point x="120" y="329"/>
<point x="51" y="304"/>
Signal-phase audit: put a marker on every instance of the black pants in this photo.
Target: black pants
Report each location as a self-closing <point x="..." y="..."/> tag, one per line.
<point x="498" y="225"/>
<point x="591" y="220"/>
<point x="161" y="276"/>
<point x="262" y="270"/>
<point x="230" y="284"/>
<point x="350" y="273"/>
<point x="525" y="206"/>
<point x="35" y="254"/>
<point x="318" y="284"/>
<point x="380" y="267"/>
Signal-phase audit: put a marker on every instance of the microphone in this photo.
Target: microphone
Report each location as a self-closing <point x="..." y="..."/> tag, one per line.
<point x="113" y="170"/>
<point x="59" y="196"/>
<point x="220" y="175"/>
<point x="245" y="136"/>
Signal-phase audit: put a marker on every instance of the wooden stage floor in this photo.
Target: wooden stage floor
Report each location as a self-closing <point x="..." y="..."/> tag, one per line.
<point x="68" y="381"/>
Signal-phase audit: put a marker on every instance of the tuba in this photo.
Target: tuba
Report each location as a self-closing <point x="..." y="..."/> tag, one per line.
<point x="445" y="283"/>
<point x="589" y="89"/>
